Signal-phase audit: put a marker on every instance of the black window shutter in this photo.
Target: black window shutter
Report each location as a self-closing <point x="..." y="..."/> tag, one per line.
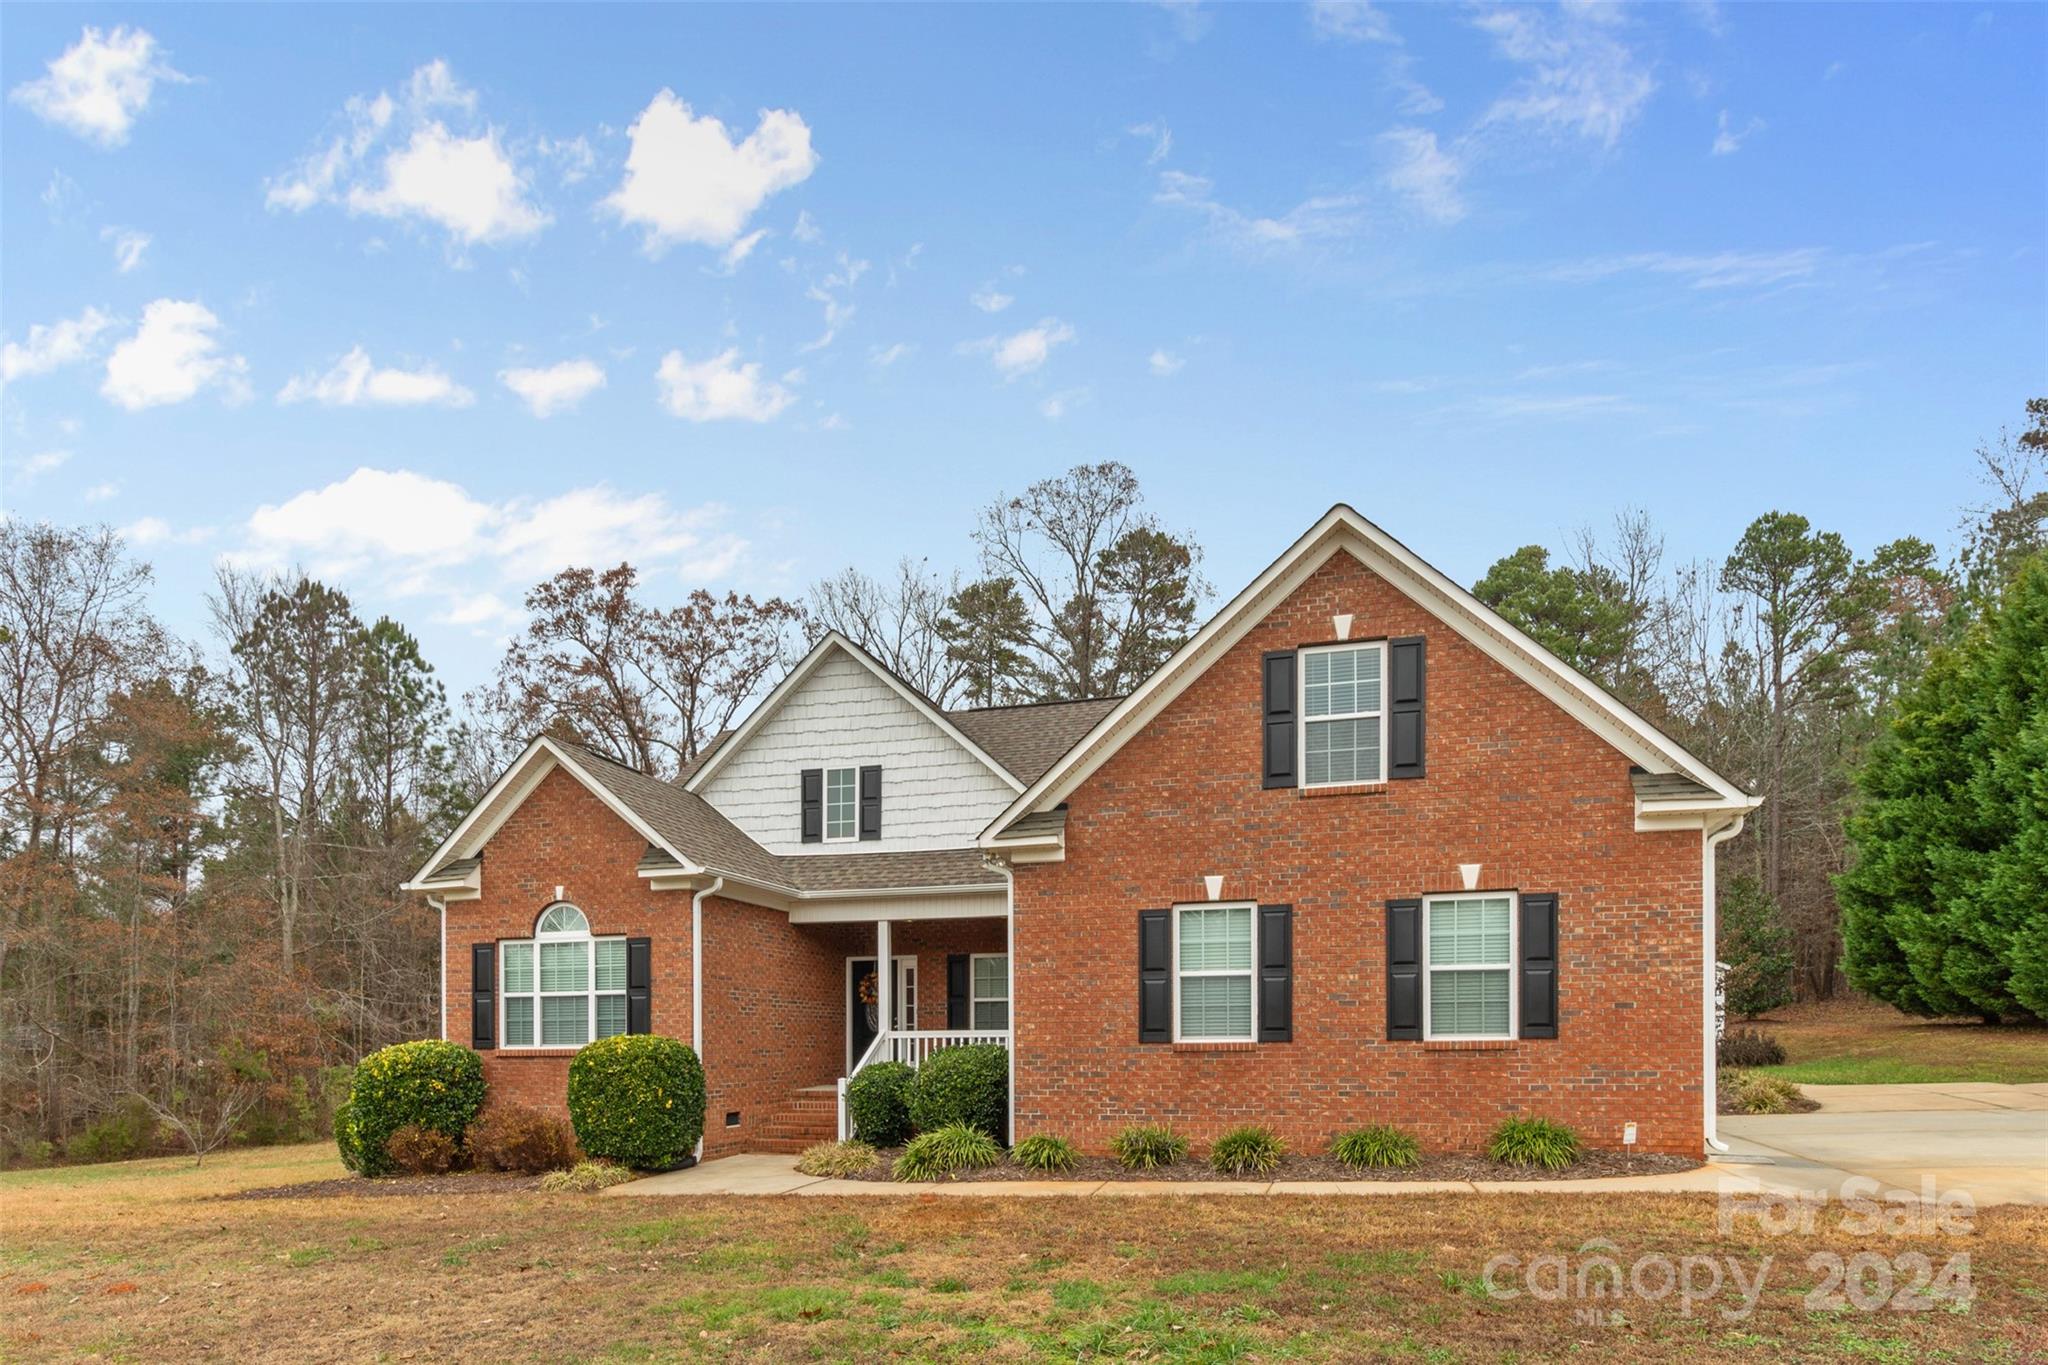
<point x="1404" y="969"/>
<point x="483" y="995"/>
<point x="871" y="802"/>
<point x="1406" y="681"/>
<point x="639" y="985"/>
<point x="1276" y="973"/>
<point x="1155" y="987"/>
<point x="1277" y="722"/>
<point x="812" y="788"/>
<point x="1539" y="966"/>
<point x="956" y="991"/>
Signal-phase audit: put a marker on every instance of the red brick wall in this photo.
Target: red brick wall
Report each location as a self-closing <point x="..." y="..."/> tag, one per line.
<point x="774" y="993"/>
<point x="1513" y="783"/>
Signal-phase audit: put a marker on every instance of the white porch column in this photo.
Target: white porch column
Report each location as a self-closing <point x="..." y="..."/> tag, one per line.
<point x="885" y="981"/>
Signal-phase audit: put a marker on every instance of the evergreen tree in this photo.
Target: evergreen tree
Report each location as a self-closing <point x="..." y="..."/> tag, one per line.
<point x="1757" y="946"/>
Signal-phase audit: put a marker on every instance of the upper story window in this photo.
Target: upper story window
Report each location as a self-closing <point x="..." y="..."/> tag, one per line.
<point x="1468" y="954"/>
<point x="842" y="804"/>
<point x="563" y="987"/>
<point x="1343" y="730"/>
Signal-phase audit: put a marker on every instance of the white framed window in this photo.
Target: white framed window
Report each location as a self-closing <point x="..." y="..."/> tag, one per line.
<point x="988" y="987"/>
<point x="562" y="987"/>
<point x="1343" y="714"/>
<point x="1212" y="973"/>
<point x="1468" y="966"/>
<point x="842" y="804"/>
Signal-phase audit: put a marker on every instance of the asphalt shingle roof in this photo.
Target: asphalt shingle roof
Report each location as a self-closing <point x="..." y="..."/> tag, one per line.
<point x="1667" y="786"/>
<point x="1030" y="739"/>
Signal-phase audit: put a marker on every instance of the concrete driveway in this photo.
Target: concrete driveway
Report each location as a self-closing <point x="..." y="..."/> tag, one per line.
<point x="1989" y="1140"/>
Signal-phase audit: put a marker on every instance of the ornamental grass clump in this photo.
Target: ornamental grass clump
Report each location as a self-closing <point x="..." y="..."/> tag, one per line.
<point x="1378" y="1146"/>
<point x="1247" y="1151"/>
<point x="1752" y="1092"/>
<point x="1534" y="1142"/>
<point x="637" y="1099"/>
<point x="836" y="1160"/>
<point x="429" y="1084"/>
<point x="946" y="1152"/>
<point x="1148" y="1146"/>
<point x="586" y="1177"/>
<point x="1046" y="1153"/>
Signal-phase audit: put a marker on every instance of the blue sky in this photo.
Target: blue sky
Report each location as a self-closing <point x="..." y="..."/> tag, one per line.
<point x="433" y="301"/>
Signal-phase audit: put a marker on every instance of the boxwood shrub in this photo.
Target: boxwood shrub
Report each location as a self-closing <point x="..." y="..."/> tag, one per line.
<point x="969" y="1085"/>
<point x="637" y="1099"/>
<point x="428" y="1084"/>
<point x="878" y="1099"/>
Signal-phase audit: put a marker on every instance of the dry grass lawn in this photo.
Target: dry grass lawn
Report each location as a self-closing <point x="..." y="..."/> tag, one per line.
<point x="144" y="1261"/>
<point x="1863" y="1042"/>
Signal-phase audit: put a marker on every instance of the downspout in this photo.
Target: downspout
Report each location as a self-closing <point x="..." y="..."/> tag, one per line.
<point x="1709" y="913"/>
<point x="441" y="981"/>
<point x="1010" y="988"/>
<point x="697" y="983"/>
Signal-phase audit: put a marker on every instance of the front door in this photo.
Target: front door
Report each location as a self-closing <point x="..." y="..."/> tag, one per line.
<point x="863" y="1008"/>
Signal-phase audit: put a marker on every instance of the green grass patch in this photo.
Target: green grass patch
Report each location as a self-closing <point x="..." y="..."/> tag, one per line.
<point x="658" y="1232"/>
<point x="1192" y="1282"/>
<point x="305" y="1256"/>
<point x="1894" y="1071"/>
<point x="1078" y="1296"/>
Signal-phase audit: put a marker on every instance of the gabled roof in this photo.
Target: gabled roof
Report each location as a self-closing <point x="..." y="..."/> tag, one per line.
<point x="1342" y="529"/>
<point x="1029" y="739"/>
<point x="835" y="643"/>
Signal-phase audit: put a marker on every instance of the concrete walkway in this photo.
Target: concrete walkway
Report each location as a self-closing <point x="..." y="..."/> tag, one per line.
<point x="1990" y="1141"/>
<point x="1987" y="1139"/>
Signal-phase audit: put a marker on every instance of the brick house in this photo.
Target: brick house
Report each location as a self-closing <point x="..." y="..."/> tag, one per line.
<point x="1361" y="851"/>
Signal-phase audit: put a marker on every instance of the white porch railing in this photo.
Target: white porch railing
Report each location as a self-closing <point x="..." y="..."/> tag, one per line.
<point x="911" y="1049"/>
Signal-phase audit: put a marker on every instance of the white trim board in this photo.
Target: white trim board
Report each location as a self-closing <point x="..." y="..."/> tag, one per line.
<point x="1342" y="530"/>
<point x="787" y="688"/>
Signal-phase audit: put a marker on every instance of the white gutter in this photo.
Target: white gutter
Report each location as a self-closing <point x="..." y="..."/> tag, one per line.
<point x="1711" y="839"/>
<point x="697" y="985"/>
<point x="441" y="989"/>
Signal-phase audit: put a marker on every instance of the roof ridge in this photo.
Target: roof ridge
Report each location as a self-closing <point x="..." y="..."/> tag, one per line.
<point x="1027" y="705"/>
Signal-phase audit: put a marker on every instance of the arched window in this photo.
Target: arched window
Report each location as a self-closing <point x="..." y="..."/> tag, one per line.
<point x="562" y="987"/>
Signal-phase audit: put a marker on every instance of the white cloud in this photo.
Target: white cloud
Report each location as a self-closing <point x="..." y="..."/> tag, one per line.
<point x="1164" y="364"/>
<point x="1718" y="270"/>
<point x="129" y="244"/>
<point x="172" y="356"/>
<point x="718" y="389"/>
<point x="1190" y="21"/>
<point x="1350" y="21"/>
<point x="157" y="531"/>
<point x="100" y="85"/>
<point x="1057" y="405"/>
<point x="411" y="534"/>
<point x="1582" y="81"/>
<point x="1322" y="218"/>
<point x="354" y="382"/>
<point x="1158" y="134"/>
<point x="881" y="357"/>
<point x="1728" y="139"/>
<point x="741" y="248"/>
<point x="101" y="491"/>
<point x="990" y="299"/>
<point x="1022" y="352"/>
<point x="39" y="464"/>
<point x="806" y="229"/>
<point x="52" y="345"/>
<point x="397" y="158"/>
<point x="556" y="388"/>
<point x="1424" y="174"/>
<point x="688" y="181"/>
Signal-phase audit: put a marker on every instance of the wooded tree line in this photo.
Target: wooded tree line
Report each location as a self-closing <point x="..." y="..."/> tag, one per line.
<point x="201" y="841"/>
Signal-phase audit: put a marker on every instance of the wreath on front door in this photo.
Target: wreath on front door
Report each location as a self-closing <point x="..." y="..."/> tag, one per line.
<point x="869" y="991"/>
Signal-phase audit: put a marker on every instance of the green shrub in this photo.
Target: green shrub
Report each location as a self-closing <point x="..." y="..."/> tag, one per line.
<point x="878" y="1099"/>
<point x="1148" y="1146"/>
<point x="836" y="1160"/>
<point x="969" y="1085"/>
<point x="1534" y="1142"/>
<point x="1044" y="1152"/>
<point x="637" y="1099"/>
<point x="1378" y="1145"/>
<point x="1247" y="1151"/>
<point x="1749" y="1047"/>
<point x="1751" y="1092"/>
<point x="586" y="1177"/>
<point x="128" y="1131"/>
<point x="945" y="1151"/>
<point x="429" y="1084"/>
<point x="1756" y="943"/>
<point x="512" y="1137"/>
<point x="422" y="1151"/>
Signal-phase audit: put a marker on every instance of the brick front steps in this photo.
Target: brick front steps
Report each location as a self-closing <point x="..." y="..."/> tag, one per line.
<point x="809" y="1116"/>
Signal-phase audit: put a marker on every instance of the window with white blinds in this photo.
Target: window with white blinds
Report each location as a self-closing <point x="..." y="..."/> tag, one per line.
<point x="1343" y="714"/>
<point x="1213" y="973"/>
<point x="1468" y="957"/>
<point x="561" y="988"/>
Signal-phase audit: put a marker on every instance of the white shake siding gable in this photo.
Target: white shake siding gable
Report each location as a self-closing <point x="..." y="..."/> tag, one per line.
<point x="935" y="794"/>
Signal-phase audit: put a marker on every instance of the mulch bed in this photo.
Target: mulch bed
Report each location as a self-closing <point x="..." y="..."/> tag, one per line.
<point x="1798" y="1104"/>
<point x="1438" y="1166"/>
<point x="356" y="1187"/>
